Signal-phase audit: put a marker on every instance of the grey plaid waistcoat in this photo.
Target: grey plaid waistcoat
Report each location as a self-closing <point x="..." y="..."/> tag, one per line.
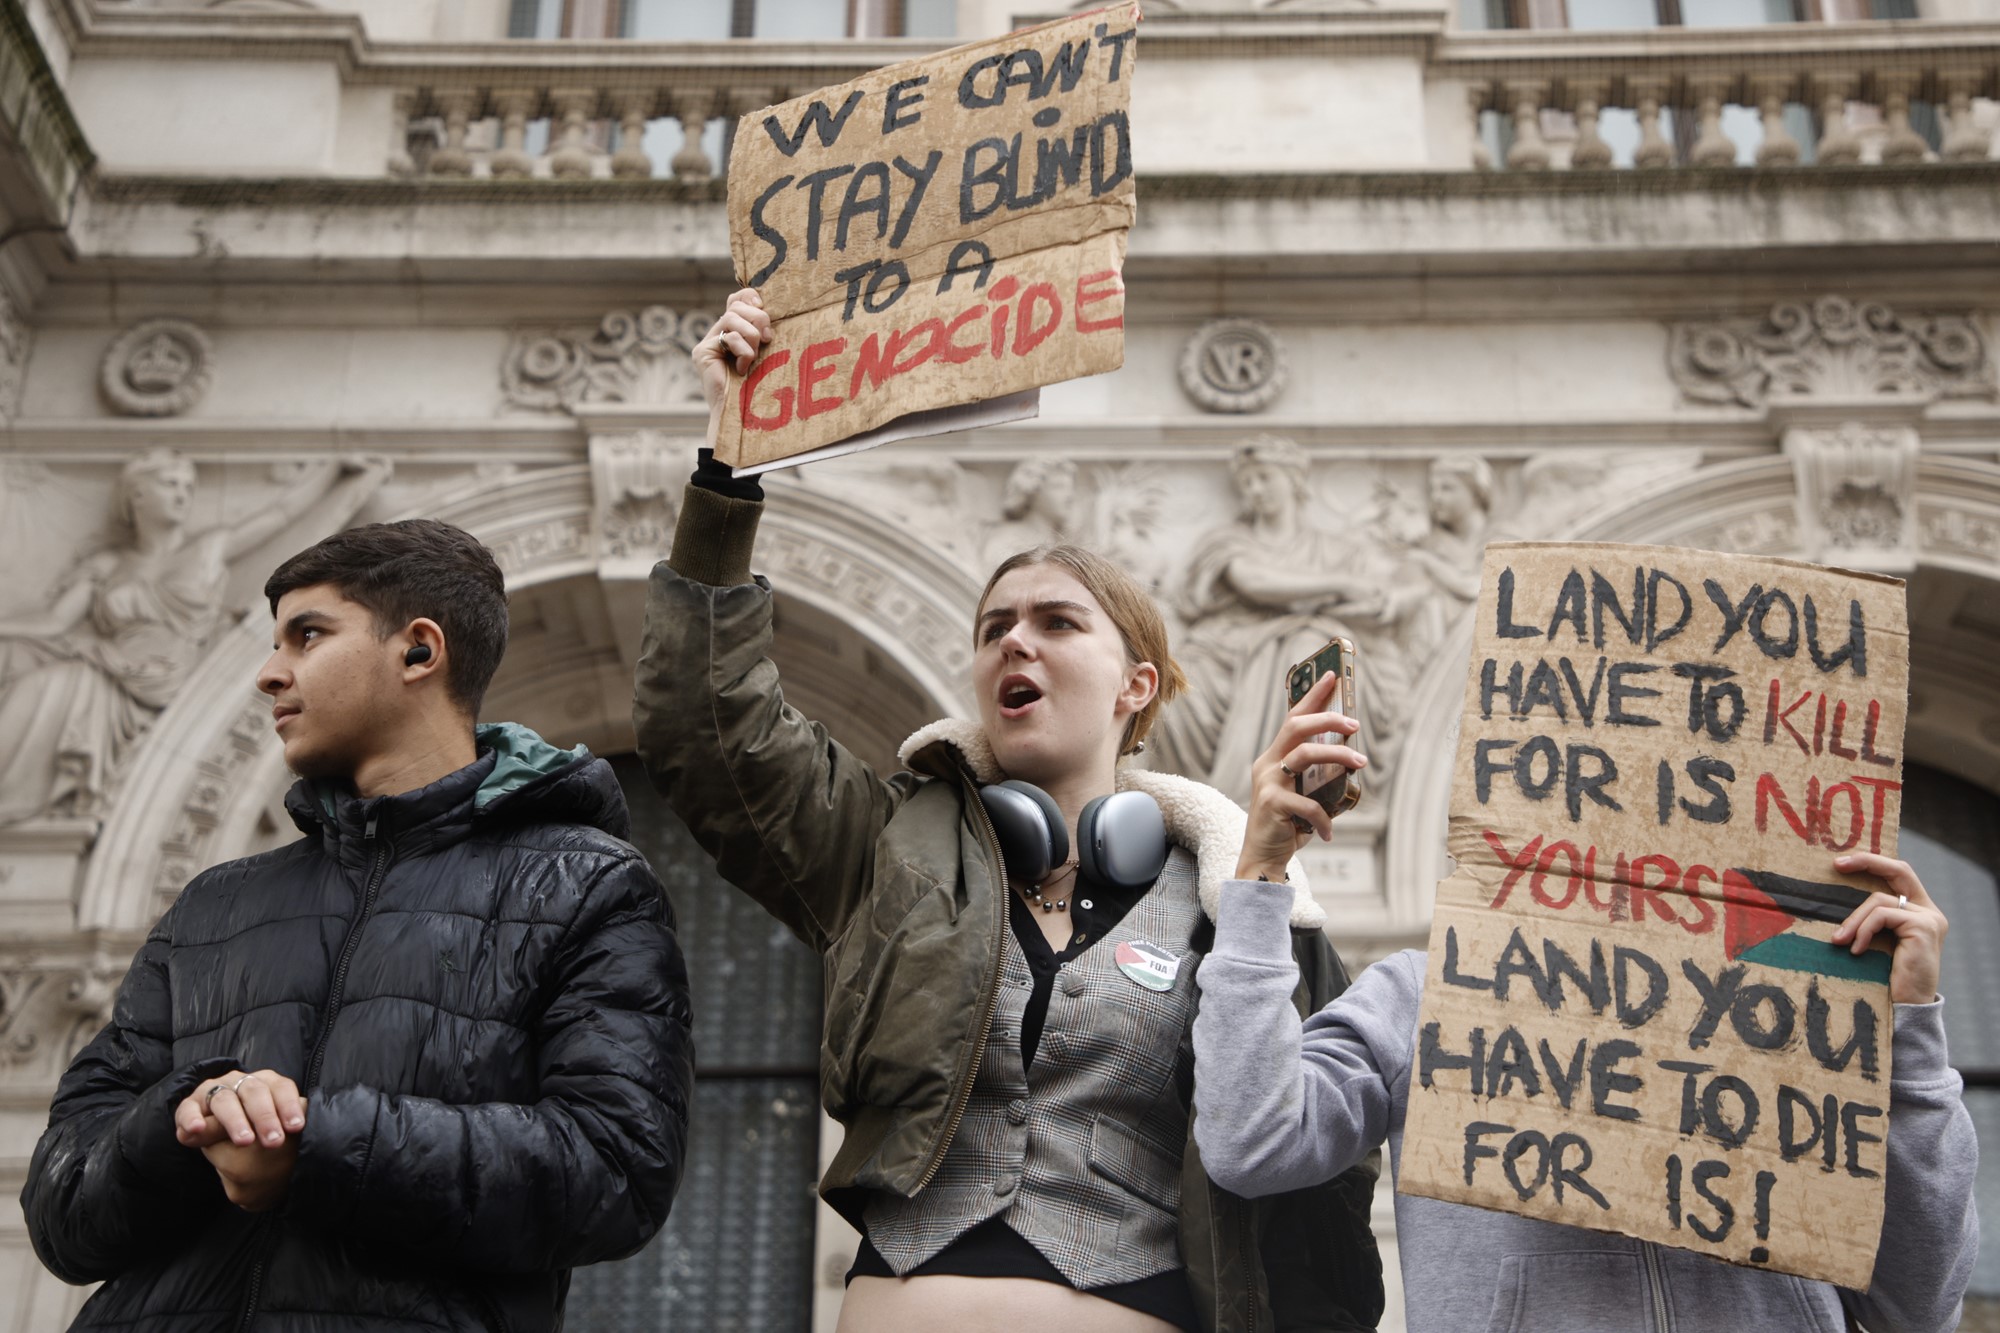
<point x="1082" y="1154"/>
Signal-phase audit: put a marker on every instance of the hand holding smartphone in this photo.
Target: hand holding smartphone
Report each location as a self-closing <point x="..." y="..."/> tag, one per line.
<point x="1336" y="787"/>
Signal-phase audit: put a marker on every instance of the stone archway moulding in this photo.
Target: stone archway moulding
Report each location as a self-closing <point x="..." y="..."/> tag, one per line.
<point x="1751" y="507"/>
<point x="207" y="767"/>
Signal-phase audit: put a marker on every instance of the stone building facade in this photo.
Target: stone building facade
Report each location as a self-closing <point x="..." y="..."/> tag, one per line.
<point x="1405" y="280"/>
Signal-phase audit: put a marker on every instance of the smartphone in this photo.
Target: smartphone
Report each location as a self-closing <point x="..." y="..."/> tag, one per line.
<point x="1336" y="787"/>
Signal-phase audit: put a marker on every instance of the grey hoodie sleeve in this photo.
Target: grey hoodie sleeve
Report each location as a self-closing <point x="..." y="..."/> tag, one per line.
<point x="1279" y="1105"/>
<point x="1930" y="1229"/>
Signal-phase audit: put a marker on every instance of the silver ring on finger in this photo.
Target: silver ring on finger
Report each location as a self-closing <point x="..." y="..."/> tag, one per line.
<point x="208" y="1098"/>
<point x="241" y="1081"/>
<point x="1286" y="769"/>
<point x="1902" y="900"/>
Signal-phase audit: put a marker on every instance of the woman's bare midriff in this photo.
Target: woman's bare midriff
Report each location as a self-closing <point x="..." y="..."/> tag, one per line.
<point x="983" y="1305"/>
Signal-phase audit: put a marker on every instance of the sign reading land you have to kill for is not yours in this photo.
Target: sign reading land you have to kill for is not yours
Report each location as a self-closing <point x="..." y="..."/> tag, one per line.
<point x="1633" y="1017"/>
<point x="941" y="232"/>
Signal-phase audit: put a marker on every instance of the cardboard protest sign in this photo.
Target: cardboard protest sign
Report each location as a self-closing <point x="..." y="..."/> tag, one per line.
<point x="944" y="231"/>
<point x="1633" y="1019"/>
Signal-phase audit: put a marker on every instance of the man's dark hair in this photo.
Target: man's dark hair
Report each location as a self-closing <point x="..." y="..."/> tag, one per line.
<point x="420" y="567"/>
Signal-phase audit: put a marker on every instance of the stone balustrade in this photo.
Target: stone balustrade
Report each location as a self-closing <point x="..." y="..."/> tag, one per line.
<point x="1811" y="94"/>
<point x="571" y="118"/>
<point x="1358" y="89"/>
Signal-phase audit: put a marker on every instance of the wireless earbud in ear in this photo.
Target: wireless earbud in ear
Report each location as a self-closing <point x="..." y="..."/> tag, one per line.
<point x="417" y="656"/>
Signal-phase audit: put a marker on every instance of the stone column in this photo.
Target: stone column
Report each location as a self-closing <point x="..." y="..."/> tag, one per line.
<point x="571" y="157"/>
<point x="1838" y="146"/>
<point x="456" y="107"/>
<point x="1779" y="148"/>
<point x="1590" y="151"/>
<point x="1529" y="152"/>
<point x="1653" y="150"/>
<point x="1712" y="148"/>
<point x="1963" y="140"/>
<point x="693" y="109"/>
<point x="512" y="160"/>
<point x="630" y="161"/>
<point x="1476" y="97"/>
<point x="1904" y="145"/>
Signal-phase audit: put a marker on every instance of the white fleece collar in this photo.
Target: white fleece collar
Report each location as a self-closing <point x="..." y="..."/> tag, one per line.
<point x="1198" y="817"/>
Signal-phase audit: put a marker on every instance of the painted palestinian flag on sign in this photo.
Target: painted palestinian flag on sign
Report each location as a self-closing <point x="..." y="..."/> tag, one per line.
<point x="1760" y="910"/>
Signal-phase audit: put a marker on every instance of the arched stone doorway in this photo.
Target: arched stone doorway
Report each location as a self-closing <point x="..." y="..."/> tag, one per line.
<point x="1951" y="746"/>
<point x="873" y="637"/>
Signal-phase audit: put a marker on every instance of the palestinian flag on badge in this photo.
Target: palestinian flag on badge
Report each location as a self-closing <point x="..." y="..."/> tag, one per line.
<point x="1760" y="913"/>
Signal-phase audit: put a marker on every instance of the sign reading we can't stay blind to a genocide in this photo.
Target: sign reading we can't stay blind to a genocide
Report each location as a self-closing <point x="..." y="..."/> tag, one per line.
<point x="941" y="232"/>
<point x="1633" y="1017"/>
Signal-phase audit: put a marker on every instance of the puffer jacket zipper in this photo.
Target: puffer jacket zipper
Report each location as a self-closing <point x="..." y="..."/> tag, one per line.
<point x="383" y="852"/>
<point x="962" y="1097"/>
<point x="1656" y="1288"/>
<point x="491" y="1308"/>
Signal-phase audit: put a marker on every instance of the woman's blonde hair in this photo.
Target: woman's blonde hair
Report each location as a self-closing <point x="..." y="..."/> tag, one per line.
<point x="1131" y="608"/>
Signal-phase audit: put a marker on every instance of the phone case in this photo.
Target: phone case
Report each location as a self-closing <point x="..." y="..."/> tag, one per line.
<point x="1337" y="791"/>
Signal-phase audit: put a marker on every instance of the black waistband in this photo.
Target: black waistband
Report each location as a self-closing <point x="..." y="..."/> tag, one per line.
<point x="994" y="1249"/>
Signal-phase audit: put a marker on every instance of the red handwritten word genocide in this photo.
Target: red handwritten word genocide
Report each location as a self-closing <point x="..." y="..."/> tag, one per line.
<point x="777" y="390"/>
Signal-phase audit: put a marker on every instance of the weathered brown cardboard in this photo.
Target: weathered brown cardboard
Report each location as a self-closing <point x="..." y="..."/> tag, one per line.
<point x="1051" y="305"/>
<point x="1821" y="1223"/>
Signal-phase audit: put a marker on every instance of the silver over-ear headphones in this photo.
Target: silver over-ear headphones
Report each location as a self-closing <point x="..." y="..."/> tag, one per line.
<point x="1121" y="838"/>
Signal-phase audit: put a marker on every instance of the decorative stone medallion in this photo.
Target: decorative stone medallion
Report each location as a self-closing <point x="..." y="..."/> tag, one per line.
<point x="1233" y="365"/>
<point x="157" y="368"/>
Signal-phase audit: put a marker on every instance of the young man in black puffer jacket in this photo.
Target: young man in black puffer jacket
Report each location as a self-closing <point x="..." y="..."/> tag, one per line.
<point x="408" y="1071"/>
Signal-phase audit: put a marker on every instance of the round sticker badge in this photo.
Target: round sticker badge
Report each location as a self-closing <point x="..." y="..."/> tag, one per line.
<point x="1148" y="964"/>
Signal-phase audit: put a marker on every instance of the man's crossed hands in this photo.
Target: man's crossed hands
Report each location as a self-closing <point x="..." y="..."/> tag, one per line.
<point x="248" y="1127"/>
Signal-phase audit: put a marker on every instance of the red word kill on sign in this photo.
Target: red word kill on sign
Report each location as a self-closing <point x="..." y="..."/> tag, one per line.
<point x="1818" y="729"/>
<point x="777" y="391"/>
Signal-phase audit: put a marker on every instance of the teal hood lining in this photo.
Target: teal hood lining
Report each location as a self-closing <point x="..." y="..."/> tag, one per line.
<point x="519" y="758"/>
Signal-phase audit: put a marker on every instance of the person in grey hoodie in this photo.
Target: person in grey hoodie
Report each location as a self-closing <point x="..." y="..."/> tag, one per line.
<point x="1280" y="1106"/>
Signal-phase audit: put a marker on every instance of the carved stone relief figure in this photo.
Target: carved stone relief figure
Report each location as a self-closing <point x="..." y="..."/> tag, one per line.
<point x="1040" y="504"/>
<point x="1126" y="521"/>
<point x="1260" y="593"/>
<point x="1439" y="572"/>
<point x="82" y="679"/>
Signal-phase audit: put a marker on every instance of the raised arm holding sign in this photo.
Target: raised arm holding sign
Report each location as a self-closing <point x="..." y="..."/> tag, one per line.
<point x="943" y="232"/>
<point x="1656" y="1028"/>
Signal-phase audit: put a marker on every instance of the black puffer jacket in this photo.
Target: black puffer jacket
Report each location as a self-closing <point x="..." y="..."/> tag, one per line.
<point x="478" y="986"/>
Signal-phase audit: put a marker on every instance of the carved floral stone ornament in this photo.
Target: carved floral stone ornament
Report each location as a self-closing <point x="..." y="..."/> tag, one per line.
<point x="1831" y="348"/>
<point x="631" y="357"/>
<point x="1233" y="365"/>
<point x="1857" y="493"/>
<point x="636" y="482"/>
<point x="157" y="368"/>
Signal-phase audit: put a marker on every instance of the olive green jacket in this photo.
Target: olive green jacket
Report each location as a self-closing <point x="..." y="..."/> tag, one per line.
<point x="899" y="884"/>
